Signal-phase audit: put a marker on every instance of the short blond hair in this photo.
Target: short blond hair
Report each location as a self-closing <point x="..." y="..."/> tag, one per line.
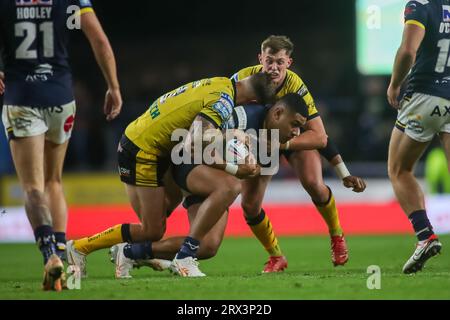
<point x="277" y="43"/>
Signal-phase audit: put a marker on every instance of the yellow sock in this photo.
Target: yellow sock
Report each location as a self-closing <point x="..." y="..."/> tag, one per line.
<point x="262" y="229"/>
<point x="104" y="239"/>
<point x="330" y="215"/>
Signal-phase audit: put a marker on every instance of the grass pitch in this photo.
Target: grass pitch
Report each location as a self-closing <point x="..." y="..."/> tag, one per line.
<point x="235" y="273"/>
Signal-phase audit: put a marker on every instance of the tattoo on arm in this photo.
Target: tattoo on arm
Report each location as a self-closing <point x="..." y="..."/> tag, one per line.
<point x="202" y="132"/>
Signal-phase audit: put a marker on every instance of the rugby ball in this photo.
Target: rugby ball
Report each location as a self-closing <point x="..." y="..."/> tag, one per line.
<point x="235" y="151"/>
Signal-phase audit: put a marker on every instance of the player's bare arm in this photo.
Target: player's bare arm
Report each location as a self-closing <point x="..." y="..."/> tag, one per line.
<point x="107" y="62"/>
<point x="314" y="137"/>
<point x="404" y="60"/>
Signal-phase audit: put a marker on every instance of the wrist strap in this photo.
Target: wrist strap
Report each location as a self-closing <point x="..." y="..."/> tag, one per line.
<point x="231" y="168"/>
<point x="287" y="145"/>
<point x="341" y="170"/>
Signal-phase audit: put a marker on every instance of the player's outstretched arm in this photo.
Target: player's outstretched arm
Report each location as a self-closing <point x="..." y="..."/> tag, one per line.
<point x="2" y="83"/>
<point x="404" y="60"/>
<point x="107" y="62"/>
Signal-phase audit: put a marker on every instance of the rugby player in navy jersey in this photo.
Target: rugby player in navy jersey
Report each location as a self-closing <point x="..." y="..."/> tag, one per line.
<point x="424" y="111"/>
<point x="39" y="108"/>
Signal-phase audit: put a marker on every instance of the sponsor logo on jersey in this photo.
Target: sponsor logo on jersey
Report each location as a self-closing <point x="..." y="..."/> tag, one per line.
<point x="224" y="107"/>
<point x="21" y="123"/>
<point x="303" y="91"/>
<point x="446" y="13"/>
<point x="41" y="73"/>
<point x="154" y="110"/>
<point x="222" y="110"/>
<point x="44" y="68"/>
<point x="441" y="112"/>
<point x="173" y="93"/>
<point x="241" y="116"/>
<point x="124" y="172"/>
<point x="34" y="2"/>
<point x="415" y="126"/>
<point x="410" y="9"/>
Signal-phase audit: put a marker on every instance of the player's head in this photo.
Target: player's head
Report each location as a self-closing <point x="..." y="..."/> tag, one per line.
<point x="275" y="56"/>
<point x="287" y="115"/>
<point x="256" y="88"/>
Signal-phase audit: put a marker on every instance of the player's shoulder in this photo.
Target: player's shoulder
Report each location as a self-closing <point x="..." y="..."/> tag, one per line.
<point x="417" y="2"/>
<point x="416" y="6"/>
<point x="70" y="4"/>
<point x="293" y="76"/>
<point x="222" y="87"/>
<point x="293" y="80"/>
<point x="83" y="3"/>
<point x="247" y="72"/>
<point x="220" y="82"/>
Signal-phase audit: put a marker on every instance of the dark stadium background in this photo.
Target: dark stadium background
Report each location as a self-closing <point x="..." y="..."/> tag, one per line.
<point x="160" y="45"/>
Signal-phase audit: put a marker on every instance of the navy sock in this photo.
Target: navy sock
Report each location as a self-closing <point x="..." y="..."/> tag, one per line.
<point x="138" y="251"/>
<point x="189" y="248"/>
<point x="45" y="240"/>
<point x="421" y="224"/>
<point x="60" y="238"/>
<point x="256" y="220"/>
<point x="126" y="233"/>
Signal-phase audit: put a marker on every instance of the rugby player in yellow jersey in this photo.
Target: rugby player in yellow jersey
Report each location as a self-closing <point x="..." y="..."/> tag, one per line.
<point x="275" y="59"/>
<point x="144" y="155"/>
<point x="287" y="115"/>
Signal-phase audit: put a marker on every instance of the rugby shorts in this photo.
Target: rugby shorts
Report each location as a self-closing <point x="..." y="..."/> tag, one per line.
<point x="421" y="116"/>
<point x="23" y="121"/>
<point x="140" y="168"/>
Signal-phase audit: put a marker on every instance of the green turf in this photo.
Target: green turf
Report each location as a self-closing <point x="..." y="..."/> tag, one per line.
<point x="235" y="273"/>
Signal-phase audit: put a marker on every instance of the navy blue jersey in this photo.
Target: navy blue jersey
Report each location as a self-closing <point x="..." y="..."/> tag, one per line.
<point x="248" y="117"/>
<point x="34" y="39"/>
<point x="431" y="71"/>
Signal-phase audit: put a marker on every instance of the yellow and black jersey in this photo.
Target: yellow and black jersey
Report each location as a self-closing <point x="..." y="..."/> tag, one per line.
<point x="291" y="84"/>
<point x="212" y="98"/>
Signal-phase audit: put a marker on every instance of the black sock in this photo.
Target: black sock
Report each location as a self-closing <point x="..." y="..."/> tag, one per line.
<point x="126" y="233"/>
<point x="189" y="248"/>
<point x="141" y="251"/>
<point x="45" y="239"/>
<point x="421" y="224"/>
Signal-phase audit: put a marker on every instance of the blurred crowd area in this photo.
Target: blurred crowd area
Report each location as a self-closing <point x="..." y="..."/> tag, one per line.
<point x="160" y="47"/>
